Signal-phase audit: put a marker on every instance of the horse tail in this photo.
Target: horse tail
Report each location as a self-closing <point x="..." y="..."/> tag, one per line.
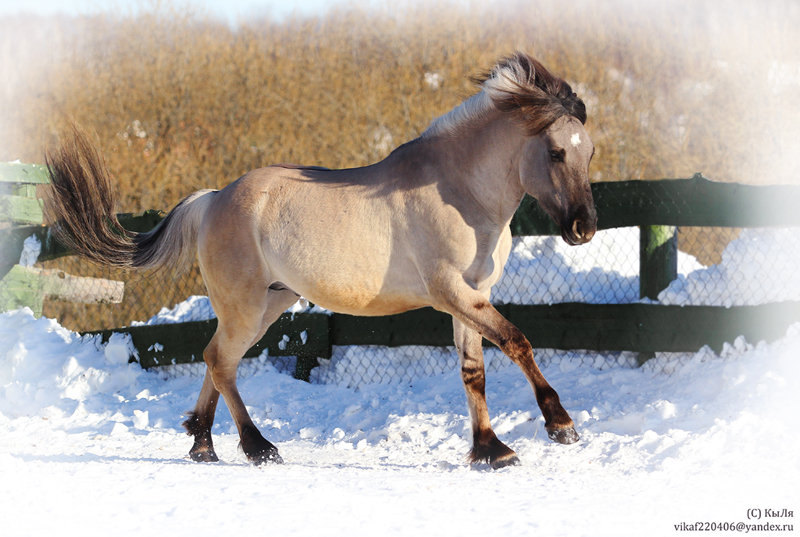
<point x="81" y="210"/>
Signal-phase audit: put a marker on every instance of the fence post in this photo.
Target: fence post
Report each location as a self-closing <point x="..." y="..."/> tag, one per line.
<point x="658" y="265"/>
<point x="658" y="259"/>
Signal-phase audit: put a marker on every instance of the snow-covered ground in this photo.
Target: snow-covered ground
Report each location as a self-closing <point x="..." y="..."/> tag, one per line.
<point x="92" y="445"/>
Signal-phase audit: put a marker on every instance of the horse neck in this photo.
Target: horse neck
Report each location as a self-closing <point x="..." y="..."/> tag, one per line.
<point x="481" y="161"/>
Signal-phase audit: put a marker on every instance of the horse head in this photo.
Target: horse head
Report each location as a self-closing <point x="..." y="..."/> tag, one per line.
<point x="554" y="169"/>
<point x="554" y="165"/>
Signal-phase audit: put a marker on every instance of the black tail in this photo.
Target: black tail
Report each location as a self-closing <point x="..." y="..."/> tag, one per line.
<point x="82" y="213"/>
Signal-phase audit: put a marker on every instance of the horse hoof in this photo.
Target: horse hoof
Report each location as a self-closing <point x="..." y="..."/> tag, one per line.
<point x="566" y="435"/>
<point x="512" y="460"/>
<point x="493" y="451"/>
<point x="203" y="456"/>
<point x="266" y="456"/>
<point x="258" y="449"/>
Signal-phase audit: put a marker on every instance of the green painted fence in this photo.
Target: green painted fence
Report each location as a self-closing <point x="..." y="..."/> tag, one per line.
<point x="21" y="216"/>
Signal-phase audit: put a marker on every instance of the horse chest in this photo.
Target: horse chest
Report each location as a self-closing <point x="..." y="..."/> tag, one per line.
<point x="486" y="265"/>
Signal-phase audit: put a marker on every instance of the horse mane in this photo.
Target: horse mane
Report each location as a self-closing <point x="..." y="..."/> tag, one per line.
<point x="521" y="86"/>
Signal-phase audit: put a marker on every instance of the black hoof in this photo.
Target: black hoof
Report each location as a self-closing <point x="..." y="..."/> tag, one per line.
<point x="492" y="451"/>
<point x="507" y="461"/>
<point x="266" y="456"/>
<point x="257" y="448"/>
<point x="203" y="456"/>
<point x="203" y="448"/>
<point x="566" y="435"/>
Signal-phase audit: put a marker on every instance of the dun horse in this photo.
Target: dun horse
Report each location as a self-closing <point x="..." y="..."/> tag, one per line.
<point x="427" y="226"/>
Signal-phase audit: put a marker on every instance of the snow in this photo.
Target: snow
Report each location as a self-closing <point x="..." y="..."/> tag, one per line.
<point x="194" y="308"/>
<point x="31" y="248"/>
<point x="92" y="444"/>
<point x="757" y="268"/>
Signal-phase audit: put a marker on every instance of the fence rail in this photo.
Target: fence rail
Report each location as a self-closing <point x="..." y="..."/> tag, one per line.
<point x="694" y="202"/>
<point x="644" y="328"/>
<point x="21" y="216"/>
<point x="656" y="207"/>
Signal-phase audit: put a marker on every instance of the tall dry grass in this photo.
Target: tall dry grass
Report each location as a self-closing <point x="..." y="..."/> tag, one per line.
<point x="180" y="101"/>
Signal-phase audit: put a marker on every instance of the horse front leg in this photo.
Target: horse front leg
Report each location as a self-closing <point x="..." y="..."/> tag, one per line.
<point x="485" y="445"/>
<point x="476" y="312"/>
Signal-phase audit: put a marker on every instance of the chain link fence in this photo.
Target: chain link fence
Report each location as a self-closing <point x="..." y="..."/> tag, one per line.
<point x="716" y="266"/>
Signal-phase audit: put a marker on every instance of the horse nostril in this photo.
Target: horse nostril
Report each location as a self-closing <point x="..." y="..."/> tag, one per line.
<point x="581" y="232"/>
<point x="577" y="229"/>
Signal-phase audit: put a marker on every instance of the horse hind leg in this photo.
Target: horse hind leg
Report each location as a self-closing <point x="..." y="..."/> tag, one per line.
<point x="200" y="421"/>
<point x="486" y="447"/>
<point x="235" y="334"/>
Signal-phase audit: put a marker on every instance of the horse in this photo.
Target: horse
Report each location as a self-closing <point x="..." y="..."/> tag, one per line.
<point x="426" y="226"/>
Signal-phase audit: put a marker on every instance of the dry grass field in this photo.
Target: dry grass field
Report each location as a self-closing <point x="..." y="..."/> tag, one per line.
<point x="179" y="101"/>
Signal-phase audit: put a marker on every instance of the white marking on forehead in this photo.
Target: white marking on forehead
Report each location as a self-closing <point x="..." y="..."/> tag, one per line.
<point x="575" y="140"/>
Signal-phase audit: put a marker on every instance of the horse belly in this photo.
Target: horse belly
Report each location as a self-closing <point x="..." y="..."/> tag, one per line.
<point x="356" y="296"/>
<point x="367" y="305"/>
<point x="350" y="276"/>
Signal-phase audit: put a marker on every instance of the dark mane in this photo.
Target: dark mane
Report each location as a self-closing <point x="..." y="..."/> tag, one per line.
<point x="522" y="86"/>
<point x="300" y="167"/>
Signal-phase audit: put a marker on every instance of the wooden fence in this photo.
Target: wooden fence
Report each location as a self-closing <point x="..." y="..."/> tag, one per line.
<point x="20" y="218"/>
<point x="656" y="207"/>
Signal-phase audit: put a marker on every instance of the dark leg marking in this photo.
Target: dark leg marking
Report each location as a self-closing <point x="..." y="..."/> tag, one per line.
<point x="485" y="445"/>
<point x="203" y="448"/>
<point x="472" y="375"/>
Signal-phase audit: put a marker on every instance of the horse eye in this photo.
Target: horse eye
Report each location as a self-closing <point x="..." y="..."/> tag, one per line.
<point x="557" y="155"/>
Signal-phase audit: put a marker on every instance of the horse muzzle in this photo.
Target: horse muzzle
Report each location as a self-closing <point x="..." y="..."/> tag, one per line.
<point x="580" y="228"/>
